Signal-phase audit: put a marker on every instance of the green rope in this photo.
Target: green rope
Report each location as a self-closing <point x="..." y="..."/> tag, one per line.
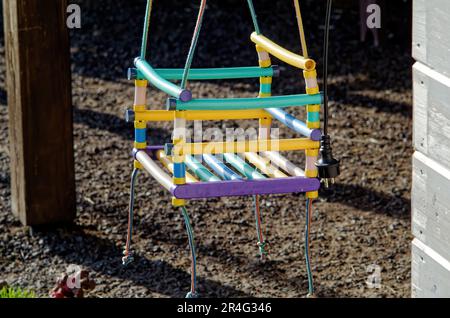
<point x="254" y="16"/>
<point x="261" y="243"/>
<point x="262" y="248"/>
<point x="148" y="13"/>
<point x="308" y="261"/>
<point x="128" y="256"/>
<point x="192" y="293"/>
<point x="194" y="43"/>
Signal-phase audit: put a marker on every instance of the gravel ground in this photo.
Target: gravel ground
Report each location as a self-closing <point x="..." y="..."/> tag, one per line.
<point x="365" y="220"/>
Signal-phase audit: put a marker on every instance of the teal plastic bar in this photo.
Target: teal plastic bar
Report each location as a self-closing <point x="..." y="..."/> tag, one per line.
<point x="174" y="74"/>
<point x="240" y="165"/>
<point x="200" y="171"/>
<point x="150" y="74"/>
<point x="246" y="103"/>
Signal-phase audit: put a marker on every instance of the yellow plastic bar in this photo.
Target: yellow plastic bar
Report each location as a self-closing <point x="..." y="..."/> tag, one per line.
<point x="283" y="54"/>
<point x="246" y="146"/>
<point x="167" y="162"/>
<point x="167" y="115"/>
<point x="264" y="165"/>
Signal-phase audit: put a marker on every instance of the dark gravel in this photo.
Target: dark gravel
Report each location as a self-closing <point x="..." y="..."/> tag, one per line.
<point x="365" y="220"/>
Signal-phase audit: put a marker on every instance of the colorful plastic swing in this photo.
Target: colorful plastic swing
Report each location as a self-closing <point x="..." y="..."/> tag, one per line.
<point x="236" y="168"/>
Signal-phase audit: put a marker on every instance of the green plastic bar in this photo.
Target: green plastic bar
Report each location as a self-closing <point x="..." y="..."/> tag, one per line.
<point x="246" y="103"/>
<point x="200" y="171"/>
<point x="170" y="88"/>
<point x="218" y="73"/>
<point x="240" y="165"/>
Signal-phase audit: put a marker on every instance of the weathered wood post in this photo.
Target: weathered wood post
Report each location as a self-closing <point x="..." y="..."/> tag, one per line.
<point x="431" y="176"/>
<point x="40" y="111"/>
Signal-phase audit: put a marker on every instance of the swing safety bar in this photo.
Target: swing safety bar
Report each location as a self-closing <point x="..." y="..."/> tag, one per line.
<point x="173" y="74"/>
<point x="155" y="79"/>
<point x="283" y="54"/>
<point x="245" y="103"/>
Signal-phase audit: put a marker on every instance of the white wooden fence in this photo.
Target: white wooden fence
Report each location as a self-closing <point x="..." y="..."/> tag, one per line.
<point x="431" y="162"/>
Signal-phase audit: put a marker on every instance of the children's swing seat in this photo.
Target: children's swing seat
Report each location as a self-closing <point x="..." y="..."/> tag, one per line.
<point x="244" y="168"/>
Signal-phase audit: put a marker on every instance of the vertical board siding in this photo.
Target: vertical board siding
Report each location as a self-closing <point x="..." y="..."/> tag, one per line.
<point x="432" y="114"/>
<point x="431" y="204"/>
<point x="431" y="162"/>
<point x="430" y="272"/>
<point x="431" y="40"/>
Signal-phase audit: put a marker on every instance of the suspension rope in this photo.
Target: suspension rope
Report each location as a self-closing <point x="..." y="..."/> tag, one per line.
<point x="148" y="13"/>
<point x="192" y="293"/>
<point x="307" y="251"/>
<point x="261" y="243"/>
<point x="325" y="65"/>
<point x="301" y="29"/>
<point x="128" y="257"/>
<point x="254" y="16"/>
<point x="194" y="42"/>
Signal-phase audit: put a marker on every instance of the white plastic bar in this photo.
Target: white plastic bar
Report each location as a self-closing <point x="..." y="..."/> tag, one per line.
<point x="284" y="163"/>
<point x="140" y="96"/>
<point x="151" y="167"/>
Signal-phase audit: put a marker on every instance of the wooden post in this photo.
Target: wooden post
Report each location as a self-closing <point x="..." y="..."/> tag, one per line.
<point x="40" y="112"/>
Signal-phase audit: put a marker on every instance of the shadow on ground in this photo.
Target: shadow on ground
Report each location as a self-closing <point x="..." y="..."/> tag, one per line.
<point x="103" y="256"/>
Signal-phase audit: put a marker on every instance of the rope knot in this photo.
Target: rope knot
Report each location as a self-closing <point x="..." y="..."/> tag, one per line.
<point x="128" y="258"/>
<point x="192" y="295"/>
<point x="262" y="248"/>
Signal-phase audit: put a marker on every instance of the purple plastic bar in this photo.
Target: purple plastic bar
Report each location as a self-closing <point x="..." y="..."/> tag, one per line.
<point x="152" y="149"/>
<point x="232" y="188"/>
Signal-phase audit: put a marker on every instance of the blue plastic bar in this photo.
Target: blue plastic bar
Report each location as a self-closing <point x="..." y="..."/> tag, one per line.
<point x="170" y="88"/>
<point x="174" y="74"/>
<point x="199" y="170"/>
<point x="220" y="168"/>
<point x="240" y="165"/>
<point x="246" y="103"/>
<point x="179" y="170"/>
<point x="294" y="123"/>
<point x="140" y="135"/>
